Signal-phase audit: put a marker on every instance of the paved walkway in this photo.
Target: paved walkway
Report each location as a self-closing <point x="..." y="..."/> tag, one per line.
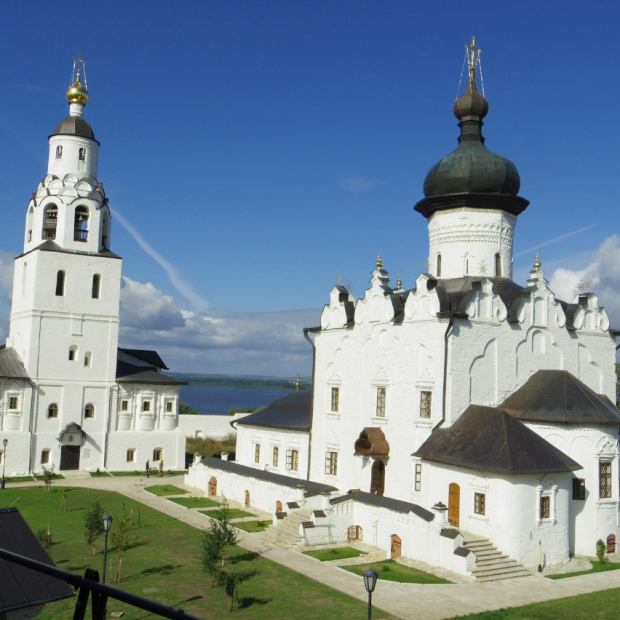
<point x="403" y="600"/>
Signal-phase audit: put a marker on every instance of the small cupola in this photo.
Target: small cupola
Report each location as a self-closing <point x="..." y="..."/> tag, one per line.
<point x="471" y="175"/>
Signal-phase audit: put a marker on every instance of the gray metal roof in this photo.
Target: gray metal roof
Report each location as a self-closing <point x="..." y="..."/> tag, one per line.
<point x="291" y="412"/>
<point x="52" y="246"/>
<point x="74" y="126"/>
<point x="310" y="488"/>
<point x="384" y="502"/>
<point x="11" y="365"/>
<point x="128" y="373"/>
<point x="558" y="396"/>
<point x="22" y="587"/>
<point x="489" y="439"/>
<point x="150" y="357"/>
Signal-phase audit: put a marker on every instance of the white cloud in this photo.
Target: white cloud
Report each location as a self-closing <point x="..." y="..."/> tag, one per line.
<point x="356" y="184"/>
<point x="601" y="276"/>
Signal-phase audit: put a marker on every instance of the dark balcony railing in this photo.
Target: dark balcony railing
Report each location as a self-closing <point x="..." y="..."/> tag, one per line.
<point x="49" y="233"/>
<point x="80" y="235"/>
<point x="89" y="585"/>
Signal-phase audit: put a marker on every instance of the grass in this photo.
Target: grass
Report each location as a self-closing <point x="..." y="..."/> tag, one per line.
<point x="194" y="502"/>
<point x="165" y="489"/>
<point x="163" y="563"/>
<point x="393" y="571"/>
<point x="99" y="474"/>
<point x="335" y="553"/>
<point x="253" y="526"/>
<point x="231" y="513"/>
<point x="154" y="473"/>
<point x="597" y="605"/>
<point x="597" y="567"/>
<point x="21" y="479"/>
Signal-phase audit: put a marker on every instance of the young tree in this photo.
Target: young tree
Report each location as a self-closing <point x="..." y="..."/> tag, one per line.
<point x="601" y="549"/>
<point x="48" y="476"/>
<point x="216" y="538"/>
<point x="231" y="587"/>
<point x="93" y="524"/>
<point x="121" y="540"/>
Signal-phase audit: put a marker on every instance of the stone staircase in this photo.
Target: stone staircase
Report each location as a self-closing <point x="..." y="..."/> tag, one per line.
<point x="491" y="563"/>
<point x="286" y="533"/>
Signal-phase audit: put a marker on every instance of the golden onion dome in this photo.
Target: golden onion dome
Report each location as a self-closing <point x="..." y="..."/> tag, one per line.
<point x="77" y="93"/>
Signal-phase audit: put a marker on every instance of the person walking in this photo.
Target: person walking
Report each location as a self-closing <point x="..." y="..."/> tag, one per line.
<point x="148" y="469"/>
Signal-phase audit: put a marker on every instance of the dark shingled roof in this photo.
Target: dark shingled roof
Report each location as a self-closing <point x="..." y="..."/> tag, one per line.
<point x="151" y="358"/>
<point x="384" y="502"/>
<point x="11" y="365"/>
<point x="488" y="439"/>
<point x="22" y="587"/>
<point x="310" y="488"/>
<point x="75" y="126"/>
<point x="292" y="412"/>
<point x="558" y="396"/>
<point x="128" y="373"/>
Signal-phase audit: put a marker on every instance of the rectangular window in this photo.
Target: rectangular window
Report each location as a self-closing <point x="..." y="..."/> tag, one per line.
<point x="45" y="457"/>
<point x="425" y="404"/>
<point x="545" y="507"/>
<point x="82" y="154"/>
<point x="257" y="453"/>
<point x="158" y="454"/>
<point x="335" y="399"/>
<point x="331" y="463"/>
<point x="292" y="460"/>
<point x="275" y="456"/>
<point x="131" y="455"/>
<point x="418" y="476"/>
<point x="480" y="503"/>
<point x="380" y="402"/>
<point x="124" y="405"/>
<point x="579" y="488"/>
<point x="604" y="477"/>
<point x="96" y="287"/>
<point x="12" y="402"/>
<point x="169" y="406"/>
<point x="59" y="152"/>
<point x="146" y="405"/>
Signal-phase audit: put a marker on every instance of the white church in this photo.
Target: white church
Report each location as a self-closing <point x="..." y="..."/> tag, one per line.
<point x="468" y="422"/>
<point x="70" y="398"/>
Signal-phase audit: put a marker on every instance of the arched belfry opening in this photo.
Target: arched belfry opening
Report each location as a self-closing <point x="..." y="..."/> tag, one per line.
<point x="372" y="443"/>
<point x="81" y="224"/>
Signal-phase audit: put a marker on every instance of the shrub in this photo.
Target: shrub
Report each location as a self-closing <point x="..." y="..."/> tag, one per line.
<point x="210" y="446"/>
<point x="601" y="549"/>
<point x="93" y="524"/>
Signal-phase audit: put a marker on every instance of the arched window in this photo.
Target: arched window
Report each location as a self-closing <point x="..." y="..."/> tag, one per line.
<point x="24" y="278"/>
<point x="60" y="283"/>
<point x="80" y="228"/>
<point x="72" y="353"/>
<point x="59" y="151"/>
<point x="52" y="411"/>
<point x="89" y="411"/>
<point x="50" y="219"/>
<point x="438" y="265"/>
<point x="466" y="266"/>
<point x="611" y="543"/>
<point x="87" y="358"/>
<point x="29" y="224"/>
<point x="498" y="265"/>
<point x="96" y="286"/>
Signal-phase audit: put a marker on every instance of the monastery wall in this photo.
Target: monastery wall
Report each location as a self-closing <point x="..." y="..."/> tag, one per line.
<point x="215" y="426"/>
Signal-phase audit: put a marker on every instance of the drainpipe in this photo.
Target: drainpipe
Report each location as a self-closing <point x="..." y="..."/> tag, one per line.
<point x="307" y="331"/>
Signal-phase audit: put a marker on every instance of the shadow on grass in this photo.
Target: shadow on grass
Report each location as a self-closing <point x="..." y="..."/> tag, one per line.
<point x="244" y="557"/>
<point x="248" y="601"/>
<point x="248" y="574"/>
<point x="164" y="569"/>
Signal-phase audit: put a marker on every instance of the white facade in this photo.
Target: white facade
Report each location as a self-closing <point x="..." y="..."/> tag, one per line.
<point x="67" y="407"/>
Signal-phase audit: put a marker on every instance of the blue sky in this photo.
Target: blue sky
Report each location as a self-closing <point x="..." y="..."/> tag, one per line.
<point x="265" y="149"/>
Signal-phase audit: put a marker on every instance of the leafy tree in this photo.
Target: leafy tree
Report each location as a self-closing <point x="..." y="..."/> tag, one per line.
<point x="93" y="524"/>
<point x="185" y="409"/>
<point x="48" y="476"/>
<point x="216" y="538"/>
<point x="601" y="549"/>
<point x="121" y="539"/>
<point x="231" y="588"/>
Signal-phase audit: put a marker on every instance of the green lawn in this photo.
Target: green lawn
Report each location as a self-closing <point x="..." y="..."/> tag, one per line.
<point x="154" y="473"/>
<point x="232" y="513"/>
<point x="252" y="526"/>
<point x="335" y="553"/>
<point x="597" y="567"/>
<point x="99" y="474"/>
<point x="194" y="502"/>
<point x="21" y="479"/>
<point x="163" y="563"/>
<point x="596" y="606"/>
<point x="393" y="571"/>
<point x="165" y="489"/>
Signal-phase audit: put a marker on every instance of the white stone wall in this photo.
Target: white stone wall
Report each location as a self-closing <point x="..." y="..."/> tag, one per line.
<point x="172" y="444"/>
<point x="248" y="437"/>
<point x="216" y="426"/>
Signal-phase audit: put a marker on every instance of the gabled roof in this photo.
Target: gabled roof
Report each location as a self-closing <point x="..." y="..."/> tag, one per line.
<point x="488" y="439"/>
<point x="22" y="587"/>
<point x="148" y="356"/>
<point x="11" y="366"/>
<point x="128" y="373"/>
<point x="291" y="412"/>
<point x="384" y="502"/>
<point x="310" y="488"/>
<point x="558" y="396"/>
<point x="51" y="246"/>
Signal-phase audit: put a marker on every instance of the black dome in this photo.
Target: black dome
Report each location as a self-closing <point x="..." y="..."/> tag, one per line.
<point x="75" y="126"/>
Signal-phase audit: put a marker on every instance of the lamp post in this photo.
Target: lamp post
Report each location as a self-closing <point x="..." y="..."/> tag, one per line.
<point x="107" y="524"/>
<point x="370" y="581"/>
<point x="4" y="443"/>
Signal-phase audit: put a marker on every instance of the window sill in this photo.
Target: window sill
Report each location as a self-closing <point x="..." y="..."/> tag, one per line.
<point x="478" y="517"/>
<point x="549" y="521"/>
<point x="606" y="501"/>
<point x="380" y="419"/>
<point x="424" y="423"/>
<point x="331" y="415"/>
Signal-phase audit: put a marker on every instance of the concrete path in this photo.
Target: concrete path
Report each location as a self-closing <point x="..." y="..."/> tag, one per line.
<point x="403" y="600"/>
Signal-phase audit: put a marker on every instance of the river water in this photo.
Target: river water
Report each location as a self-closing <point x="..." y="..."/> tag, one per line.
<point x="210" y="399"/>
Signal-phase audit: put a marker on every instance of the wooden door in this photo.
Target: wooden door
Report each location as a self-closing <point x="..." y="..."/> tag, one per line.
<point x="395" y="546"/>
<point x="212" y="486"/>
<point x="70" y="457"/>
<point x="247" y="499"/>
<point x="611" y="543"/>
<point x="377" y="477"/>
<point x="279" y="506"/>
<point x="454" y="503"/>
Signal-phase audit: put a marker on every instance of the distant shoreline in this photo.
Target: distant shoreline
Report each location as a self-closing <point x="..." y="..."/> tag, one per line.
<point x="241" y="382"/>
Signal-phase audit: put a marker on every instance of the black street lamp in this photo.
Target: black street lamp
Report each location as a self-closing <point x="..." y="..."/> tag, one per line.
<point x="107" y="524"/>
<point x="370" y="581"/>
<point x="4" y="443"/>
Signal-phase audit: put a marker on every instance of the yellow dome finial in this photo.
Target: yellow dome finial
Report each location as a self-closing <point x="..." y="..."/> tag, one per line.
<point x="379" y="263"/>
<point x="78" y="90"/>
